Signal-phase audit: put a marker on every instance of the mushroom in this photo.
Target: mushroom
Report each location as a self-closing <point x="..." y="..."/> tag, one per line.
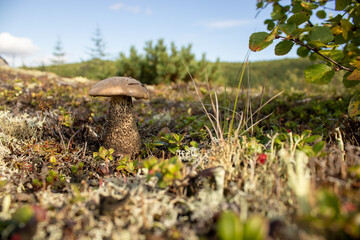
<point x="121" y="131"/>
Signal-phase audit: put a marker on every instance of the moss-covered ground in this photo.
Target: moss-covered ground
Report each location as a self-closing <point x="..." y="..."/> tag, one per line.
<point x="289" y="169"/>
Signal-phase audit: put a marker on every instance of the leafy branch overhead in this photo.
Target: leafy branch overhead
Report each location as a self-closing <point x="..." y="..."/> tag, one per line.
<point x="321" y="29"/>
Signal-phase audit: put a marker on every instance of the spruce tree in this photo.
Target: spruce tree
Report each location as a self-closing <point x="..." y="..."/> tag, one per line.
<point x="98" y="50"/>
<point x="58" y="53"/>
<point x="130" y="66"/>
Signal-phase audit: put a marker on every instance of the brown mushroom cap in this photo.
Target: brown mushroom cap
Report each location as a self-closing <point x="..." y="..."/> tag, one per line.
<point x="119" y="86"/>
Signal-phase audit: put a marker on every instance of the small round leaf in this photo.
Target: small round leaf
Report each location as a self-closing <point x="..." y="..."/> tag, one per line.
<point x="303" y="51"/>
<point x="287" y="28"/>
<point x="283" y="47"/>
<point x="298" y="18"/>
<point x="229" y="226"/>
<point x="322" y="34"/>
<point x="257" y="41"/>
<point x="321" y="14"/>
<point x="319" y="74"/>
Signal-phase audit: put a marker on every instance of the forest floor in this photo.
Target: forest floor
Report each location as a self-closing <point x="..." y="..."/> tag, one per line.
<point x="289" y="169"/>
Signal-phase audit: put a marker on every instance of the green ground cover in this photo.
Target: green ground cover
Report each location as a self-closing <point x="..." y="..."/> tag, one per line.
<point x="288" y="169"/>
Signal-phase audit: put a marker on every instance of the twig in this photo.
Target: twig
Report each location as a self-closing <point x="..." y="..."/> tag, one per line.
<point x="68" y="146"/>
<point x="62" y="139"/>
<point x="84" y="150"/>
<point x="315" y="50"/>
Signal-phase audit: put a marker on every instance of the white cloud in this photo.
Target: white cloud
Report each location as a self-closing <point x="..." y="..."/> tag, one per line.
<point x="11" y="45"/>
<point x="228" y="23"/>
<point x="42" y="60"/>
<point x="148" y="11"/>
<point x="132" y="9"/>
<point x="128" y="8"/>
<point x="116" y="6"/>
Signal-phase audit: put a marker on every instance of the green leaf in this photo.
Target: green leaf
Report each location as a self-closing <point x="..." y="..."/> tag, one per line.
<point x="297" y="8"/>
<point x="283" y="47"/>
<point x="318" y="147"/>
<point x="257" y="41"/>
<point x="23" y="214"/>
<point x="229" y="226"/>
<point x="339" y="39"/>
<point x="194" y="144"/>
<point x="272" y="35"/>
<point x="319" y="44"/>
<point x="355" y="170"/>
<point x="296" y="137"/>
<point x="322" y="34"/>
<point x="176" y="136"/>
<point x="173" y="149"/>
<point x="158" y="143"/>
<point x="335" y="55"/>
<point x="313" y="56"/>
<point x="356" y="63"/>
<point x="308" y="150"/>
<point x="172" y="168"/>
<point x="287" y="28"/>
<point x="321" y="14"/>
<point x="174" y="160"/>
<point x="270" y="24"/>
<point x="162" y="184"/>
<point x="319" y="74"/>
<point x="255" y="228"/>
<point x="303" y="51"/>
<point x="52" y="159"/>
<point x="122" y="166"/>
<point x="101" y="149"/>
<point x="335" y="19"/>
<point x="74" y="169"/>
<point x="312" y="138"/>
<point x="259" y="4"/>
<point x="296" y="33"/>
<point x="298" y="18"/>
<point x="306" y="133"/>
<point x="346" y="28"/>
<point x="354" y="106"/>
<point x="279" y="12"/>
<point x="341" y="4"/>
<point x="328" y="203"/>
<point x="111" y="151"/>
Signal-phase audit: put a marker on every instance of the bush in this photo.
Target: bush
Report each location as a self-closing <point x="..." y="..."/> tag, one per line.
<point x="159" y="66"/>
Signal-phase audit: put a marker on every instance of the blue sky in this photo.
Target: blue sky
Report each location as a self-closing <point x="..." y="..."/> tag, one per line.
<point x="221" y="29"/>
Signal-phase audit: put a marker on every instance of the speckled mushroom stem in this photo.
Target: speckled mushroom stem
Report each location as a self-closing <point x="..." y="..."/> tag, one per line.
<point x="121" y="131"/>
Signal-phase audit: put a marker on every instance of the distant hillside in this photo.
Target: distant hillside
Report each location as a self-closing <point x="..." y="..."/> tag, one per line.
<point x="95" y="69"/>
<point x="277" y="74"/>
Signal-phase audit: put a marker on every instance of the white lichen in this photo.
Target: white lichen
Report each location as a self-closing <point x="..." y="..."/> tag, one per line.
<point x="190" y="154"/>
<point x="162" y="118"/>
<point x="15" y="130"/>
